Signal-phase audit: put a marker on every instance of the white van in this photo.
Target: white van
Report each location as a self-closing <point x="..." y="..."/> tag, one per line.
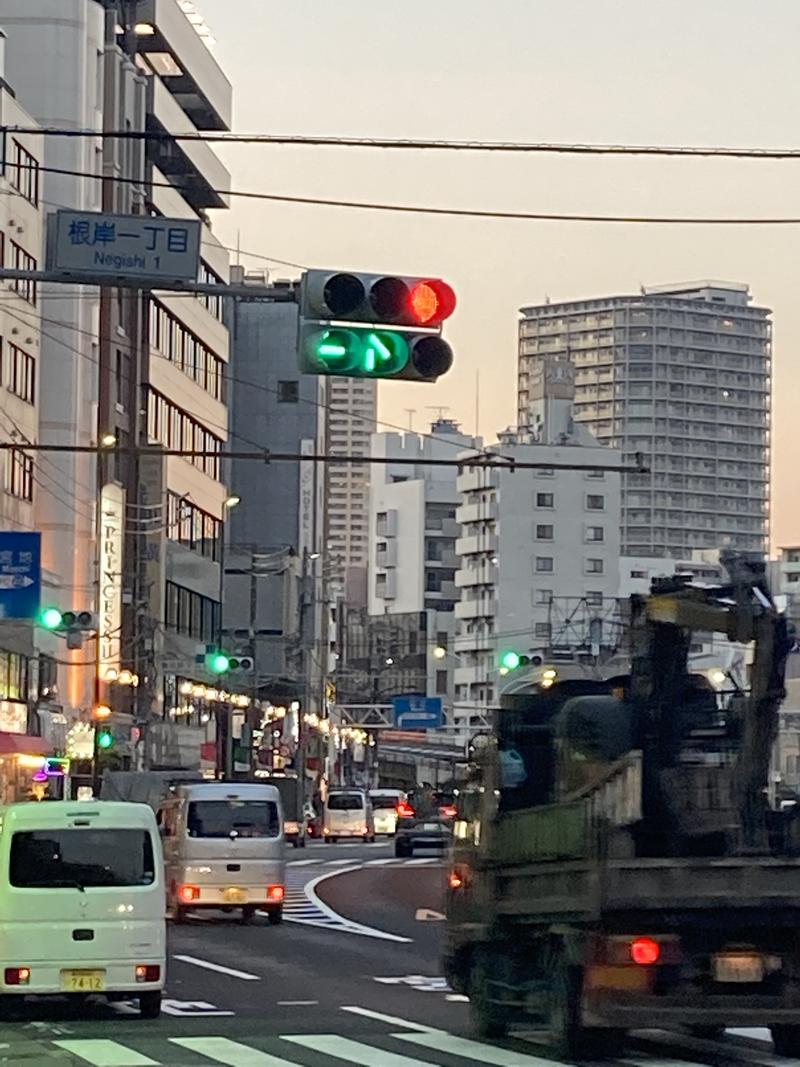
<point x="82" y="901"/>
<point x="384" y="806"/>
<point x="224" y="848"/>
<point x="347" y="813"/>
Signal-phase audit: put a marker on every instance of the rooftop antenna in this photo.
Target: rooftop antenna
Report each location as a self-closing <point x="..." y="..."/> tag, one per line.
<point x="439" y="409"/>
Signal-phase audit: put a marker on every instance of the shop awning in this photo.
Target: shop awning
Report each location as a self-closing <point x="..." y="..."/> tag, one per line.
<point x="23" y="744"/>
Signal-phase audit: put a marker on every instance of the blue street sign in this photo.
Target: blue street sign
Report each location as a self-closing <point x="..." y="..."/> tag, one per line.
<point x="20" y="574"/>
<point x="418" y="713"/>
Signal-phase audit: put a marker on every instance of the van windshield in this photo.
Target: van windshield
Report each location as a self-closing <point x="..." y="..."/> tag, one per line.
<point x="61" y="859"/>
<point x="384" y="802"/>
<point x="345" y="802"/>
<point x="242" y="818"/>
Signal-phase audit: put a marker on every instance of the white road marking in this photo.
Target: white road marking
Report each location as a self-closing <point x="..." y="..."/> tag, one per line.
<point x="338" y="863"/>
<point x="301" y="863"/>
<point x="353" y="1051"/>
<point x="391" y="1019"/>
<point x="218" y="967"/>
<point x="297" y="1003"/>
<point x="378" y="863"/>
<point x="191" y="1008"/>
<point x="229" y="1052"/>
<point x="345" y="924"/>
<point x="103" y="1053"/>
<point x="422" y="862"/>
<point x="475" y="1050"/>
<point x="427" y="915"/>
<point x="457" y="998"/>
<point x="755" y="1033"/>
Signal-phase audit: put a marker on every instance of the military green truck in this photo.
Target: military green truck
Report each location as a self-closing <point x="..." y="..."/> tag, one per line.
<point x="616" y="862"/>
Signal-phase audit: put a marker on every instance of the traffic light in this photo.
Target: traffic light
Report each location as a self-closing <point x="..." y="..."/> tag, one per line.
<point x="226" y="663"/>
<point x="330" y="341"/>
<point x="105" y="739"/>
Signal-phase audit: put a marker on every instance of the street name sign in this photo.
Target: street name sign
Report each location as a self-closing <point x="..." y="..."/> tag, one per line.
<point x="96" y="243"/>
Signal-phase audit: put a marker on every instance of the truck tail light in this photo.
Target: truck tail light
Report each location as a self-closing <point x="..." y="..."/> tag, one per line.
<point x="404" y="810"/>
<point x="275" y="893"/>
<point x="148" y="972"/>
<point x="188" y="893"/>
<point x="457" y="878"/>
<point x="17" y="975"/>
<point x="645" y="951"/>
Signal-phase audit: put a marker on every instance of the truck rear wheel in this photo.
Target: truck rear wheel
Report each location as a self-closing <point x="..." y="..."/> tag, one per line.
<point x="489" y="1019"/>
<point x="786" y="1040"/>
<point x="569" y="1037"/>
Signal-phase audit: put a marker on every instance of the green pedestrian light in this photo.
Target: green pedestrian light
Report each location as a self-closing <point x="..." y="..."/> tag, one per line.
<point x="51" y="618"/>
<point x="105" y="739"/>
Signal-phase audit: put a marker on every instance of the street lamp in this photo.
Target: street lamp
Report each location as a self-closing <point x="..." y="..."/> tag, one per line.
<point x="108" y="440"/>
<point x="439" y="652"/>
<point x="231" y="501"/>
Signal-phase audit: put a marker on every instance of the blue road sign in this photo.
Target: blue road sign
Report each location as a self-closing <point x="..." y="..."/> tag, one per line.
<point x="418" y="713"/>
<point x="20" y="574"/>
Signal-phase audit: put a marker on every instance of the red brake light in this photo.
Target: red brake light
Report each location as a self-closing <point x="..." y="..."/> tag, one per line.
<point x="449" y="811"/>
<point x="188" y="893"/>
<point x="275" y="892"/>
<point x="17" y="975"/>
<point x="148" y="972"/>
<point x="404" y="811"/>
<point x="645" y="951"/>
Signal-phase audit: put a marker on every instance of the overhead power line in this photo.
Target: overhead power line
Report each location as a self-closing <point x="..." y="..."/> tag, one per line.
<point x="408" y="144"/>
<point x="454" y="212"/>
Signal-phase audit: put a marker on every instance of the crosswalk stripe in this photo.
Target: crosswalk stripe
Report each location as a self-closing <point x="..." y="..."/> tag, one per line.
<point x="300" y="863"/>
<point x="232" y="1053"/>
<point x="102" y="1053"/>
<point x="378" y="863"/>
<point x="475" y="1050"/>
<point x="423" y="861"/>
<point x="338" y="863"/>
<point x="353" y="1051"/>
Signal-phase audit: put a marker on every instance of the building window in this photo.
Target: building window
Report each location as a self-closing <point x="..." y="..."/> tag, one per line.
<point x="596" y="474"/>
<point x="22" y="171"/>
<point x="543" y="596"/>
<point x="173" y="428"/>
<point x="544" y="532"/>
<point x="545" y="472"/>
<point x="544" y="564"/>
<point x="192" y="527"/>
<point x="441" y="683"/>
<point x="441" y="639"/>
<point x="19" y="474"/>
<point x="288" y="392"/>
<point x="544" y="500"/>
<point x="189" y="354"/>
<point x="594" y="599"/>
<point x="19" y="259"/>
<point x="212" y="302"/>
<point x="594" y="566"/>
<point x="21" y="374"/>
<point x="595" y="502"/>
<point x="380" y="585"/>
<point x="541" y="629"/>
<point x="14" y="675"/>
<point x="191" y="614"/>
<point x="595" y="533"/>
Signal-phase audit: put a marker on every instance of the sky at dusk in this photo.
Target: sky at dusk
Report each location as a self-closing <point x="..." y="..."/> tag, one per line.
<point x="700" y="72"/>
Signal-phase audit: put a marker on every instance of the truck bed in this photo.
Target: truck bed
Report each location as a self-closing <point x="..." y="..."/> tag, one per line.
<point x="591" y="890"/>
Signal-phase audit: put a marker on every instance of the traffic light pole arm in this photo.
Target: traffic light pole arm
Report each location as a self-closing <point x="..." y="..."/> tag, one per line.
<point x="121" y="281"/>
<point x="265" y="456"/>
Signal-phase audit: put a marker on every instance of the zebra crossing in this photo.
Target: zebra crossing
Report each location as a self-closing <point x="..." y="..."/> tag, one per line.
<point x="421" y="861"/>
<point x="416" y="1046"/>
<point x="302" y="905"/>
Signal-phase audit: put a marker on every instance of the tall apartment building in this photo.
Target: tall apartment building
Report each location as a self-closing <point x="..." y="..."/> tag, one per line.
<point x="682" y="375"/>
<point x="413" y="531"/>
<point x="533" y="543"/>
<point x="143" y="369"/>
<point x="352" y="418"/>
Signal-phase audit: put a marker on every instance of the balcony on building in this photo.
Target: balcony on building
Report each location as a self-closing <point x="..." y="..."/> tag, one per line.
<point x="482" y="542"/>
<point x="192" y="166"/>
<point x="482" y="511"/>
<point x="476" y="609"/>
<point x="194" y="77"/>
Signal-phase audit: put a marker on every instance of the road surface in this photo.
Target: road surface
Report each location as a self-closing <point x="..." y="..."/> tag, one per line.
<point x="351" y="977"/>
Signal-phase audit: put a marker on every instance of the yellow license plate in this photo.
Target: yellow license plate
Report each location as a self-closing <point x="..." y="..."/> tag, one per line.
<point x="83" y="981"/>
<point x="234" y="895"/>
<point x="738" y="967"/>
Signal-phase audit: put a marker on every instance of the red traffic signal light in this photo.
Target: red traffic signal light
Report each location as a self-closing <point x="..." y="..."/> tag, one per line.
<point x="389" y="299"/>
